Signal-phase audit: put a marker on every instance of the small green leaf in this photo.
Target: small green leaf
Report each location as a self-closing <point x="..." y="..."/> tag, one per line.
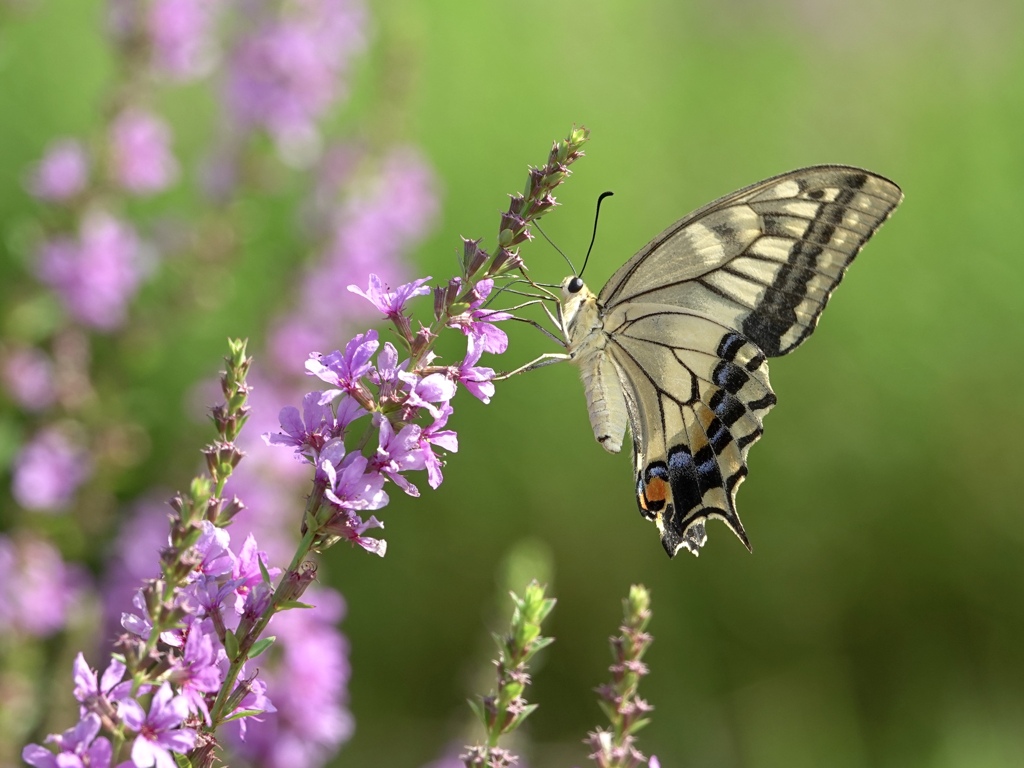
<point x="478" y="710"/>
<point x="231" y="645"/>
<point x="287" y="604"/>
<point x="242" y="713"/>
<point x="526" y="712"/>
<point x="263" y="571"/>
<point x="260" y="646"/>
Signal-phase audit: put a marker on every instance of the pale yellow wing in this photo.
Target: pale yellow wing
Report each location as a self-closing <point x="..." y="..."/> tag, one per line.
<point x="763" y="260"/>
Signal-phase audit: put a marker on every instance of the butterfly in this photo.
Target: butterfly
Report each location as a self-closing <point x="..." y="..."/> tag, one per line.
<point x="676" y="343"/>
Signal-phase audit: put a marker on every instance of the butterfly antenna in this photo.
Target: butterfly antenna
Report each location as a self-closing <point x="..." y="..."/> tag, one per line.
<point x="552" y="243"/>
<point x="593" y="237"/>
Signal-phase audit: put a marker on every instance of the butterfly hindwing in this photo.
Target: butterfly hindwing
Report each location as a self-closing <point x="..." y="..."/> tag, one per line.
<point x="695" y="405"/>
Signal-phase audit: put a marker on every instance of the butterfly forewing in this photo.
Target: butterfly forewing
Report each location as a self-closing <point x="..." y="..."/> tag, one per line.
<point x="764" y="259"/>
<point x="683" y="330"/>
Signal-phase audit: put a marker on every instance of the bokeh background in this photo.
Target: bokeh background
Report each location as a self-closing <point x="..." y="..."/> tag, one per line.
<point x="880" y="620"/>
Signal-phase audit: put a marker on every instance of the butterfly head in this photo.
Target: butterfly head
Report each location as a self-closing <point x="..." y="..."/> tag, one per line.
<point x="577" y="300"/>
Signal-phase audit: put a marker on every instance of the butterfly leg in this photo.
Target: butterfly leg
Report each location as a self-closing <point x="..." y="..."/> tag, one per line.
<point x="548" y="358"/>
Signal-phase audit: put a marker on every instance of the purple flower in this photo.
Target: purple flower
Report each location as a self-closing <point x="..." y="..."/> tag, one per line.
<point x="316" y="426"/>
<point x="197" y="672"/>
<point x="138" y="623"/>
<point x="180" y="34"/>
<point x="37" y="589"/>
<point x="48" y="471"/>
<point x="254" y="700"/>
<point x="213" y="548"/>
<point x="442" y="438"/>
<point x="397" y="453"/>
<point x="478" y="322"/>
<point x="159" y="730"/>
<point x="62" y="173"/>
<point x="140" y="146"/>
<point x="349" y="484"/>
<point x="96" y="693"/>
<point x="344" y="371"/>
<point x="391" y="303"/>
<point x="97" y="274"/>
<point x="79" y="748"/>
<point x="247" y="574"/>
<point x="28" y="377"/>
<point x="476" y="379"/>
<point x="434" y="388"/>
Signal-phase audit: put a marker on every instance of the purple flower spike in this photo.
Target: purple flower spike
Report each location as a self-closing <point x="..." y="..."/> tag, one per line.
<point x="140" y="144"/>
<point x="78" y="747"/>
<point x="159" y="730"/>
<point x="391" y="303"/>
<point x="478" y="322"/>
<point x="62" y="173"/>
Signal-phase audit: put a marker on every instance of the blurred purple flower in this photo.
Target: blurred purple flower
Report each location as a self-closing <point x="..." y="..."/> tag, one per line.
<point x="180" y="32"/>
<point x="97" y="274"/>
<point x="159" y="731"/>
<point x="141" y="148"/>
<point x="381" y="217"/>
<point x="62" y="173"/>
<point x="286" y="75"/>
<point x="78" y="747"/>
<point x="28" y="377"/>
<point x="48" y="471"/>
<point x="37" y="589"/>
<point x="310" y="688"/>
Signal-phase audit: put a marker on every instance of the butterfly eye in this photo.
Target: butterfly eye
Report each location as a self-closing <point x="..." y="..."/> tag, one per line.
<point x="575" y="285"/>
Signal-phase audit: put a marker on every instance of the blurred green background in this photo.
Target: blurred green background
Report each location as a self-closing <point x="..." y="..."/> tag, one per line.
<point x="880" y="620"/>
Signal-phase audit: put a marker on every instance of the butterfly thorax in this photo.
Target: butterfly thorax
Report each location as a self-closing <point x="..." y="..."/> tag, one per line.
<point x="586" y="339"/>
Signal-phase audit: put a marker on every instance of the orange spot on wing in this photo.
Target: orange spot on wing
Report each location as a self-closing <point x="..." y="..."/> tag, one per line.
<point x="655" y="491"/>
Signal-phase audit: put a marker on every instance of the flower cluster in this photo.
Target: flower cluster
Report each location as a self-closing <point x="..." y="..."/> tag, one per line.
<point x="408" y="403"/>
